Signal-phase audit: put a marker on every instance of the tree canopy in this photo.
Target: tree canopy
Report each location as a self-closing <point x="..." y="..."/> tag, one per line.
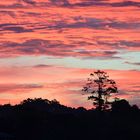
<point x="100" y="86"/>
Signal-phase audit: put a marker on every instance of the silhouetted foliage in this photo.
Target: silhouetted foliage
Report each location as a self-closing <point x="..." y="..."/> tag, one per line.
<point x="41" y="119"/>
<point x="121" y="106"/>
<point x="101" y="87"/>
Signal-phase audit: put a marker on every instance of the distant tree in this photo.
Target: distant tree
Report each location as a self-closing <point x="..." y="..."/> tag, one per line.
<point x="35" y="101"/>
<point x="120" y="106"/>
<point x="100" y="87"/>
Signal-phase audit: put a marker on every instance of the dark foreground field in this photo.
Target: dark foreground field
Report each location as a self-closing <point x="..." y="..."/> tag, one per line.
<point x="40" y="119"/>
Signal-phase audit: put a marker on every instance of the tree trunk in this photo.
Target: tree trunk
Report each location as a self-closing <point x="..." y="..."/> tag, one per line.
<point x="100" y="98"/>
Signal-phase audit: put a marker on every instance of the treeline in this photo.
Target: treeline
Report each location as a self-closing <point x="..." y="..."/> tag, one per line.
<point x="41" y="119"/>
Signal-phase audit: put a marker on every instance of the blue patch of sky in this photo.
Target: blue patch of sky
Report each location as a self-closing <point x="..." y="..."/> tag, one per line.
<point x="116" y="64"/>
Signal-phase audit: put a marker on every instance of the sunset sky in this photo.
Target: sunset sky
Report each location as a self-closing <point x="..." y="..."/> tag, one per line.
<point x="48" y="48"/>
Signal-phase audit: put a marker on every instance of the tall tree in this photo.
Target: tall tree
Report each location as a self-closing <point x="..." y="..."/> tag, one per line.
<point x="100" y="87"/>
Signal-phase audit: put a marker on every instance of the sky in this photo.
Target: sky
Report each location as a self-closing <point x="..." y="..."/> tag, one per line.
<point x="48" y="48"/>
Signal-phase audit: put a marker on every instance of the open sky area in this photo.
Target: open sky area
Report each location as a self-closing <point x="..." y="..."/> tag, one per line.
<point x="48" y="48"/>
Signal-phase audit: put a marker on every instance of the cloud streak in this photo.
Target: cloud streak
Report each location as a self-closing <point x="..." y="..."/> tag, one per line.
<point x="18" y="88"/>
<point x="51" y="48"/>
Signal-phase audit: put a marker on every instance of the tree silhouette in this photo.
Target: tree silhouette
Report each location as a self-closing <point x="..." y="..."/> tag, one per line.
<point x="121" y="106"/>
<point x="101" y="87"/>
